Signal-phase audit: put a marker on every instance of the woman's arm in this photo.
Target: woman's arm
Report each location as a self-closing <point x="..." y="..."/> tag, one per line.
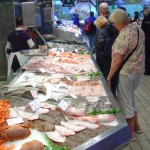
<point x="117" y="61"/>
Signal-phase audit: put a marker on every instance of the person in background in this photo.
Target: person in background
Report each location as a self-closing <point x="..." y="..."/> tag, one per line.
<point x="123" y="8"/>
<point x="136" y="16"/>
<point x="76" y="20"/>
<point x="91" y="37"/>
<point x="104" y="10"/>
<point x="145" y="11"/>
<point x="130" y="38"/>
<point x="103" y="45"/>
<point x="146" y="28"/>
<point x="18" y="40"/>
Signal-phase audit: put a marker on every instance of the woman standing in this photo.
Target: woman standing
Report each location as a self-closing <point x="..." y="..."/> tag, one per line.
<point x="130" y="40"/>
<point x="18" y="40"/>
<point x="92" y="34"/>
<point x="103" y="45"/>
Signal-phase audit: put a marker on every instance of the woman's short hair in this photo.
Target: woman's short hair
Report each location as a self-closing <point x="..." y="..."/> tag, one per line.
<point x="19" y="21"/>
<point x="100" y="22"/>
<point x="103" y="5"/>
<point x="119" y="16"/>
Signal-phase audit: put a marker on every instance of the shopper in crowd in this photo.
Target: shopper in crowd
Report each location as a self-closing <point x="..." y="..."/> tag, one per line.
<point x="76" y="20"/>
<point x="104" y="10"/>
<point x="123" y="8"/>
<point x="145" y="11"/>
<point x="146" y="29"/>
<point x="128" y="57"/>
<point x="92" y="34"/>
<point x="103" y="45"/>
<point x="18" y="40"/>
<point x="136" y="16"/>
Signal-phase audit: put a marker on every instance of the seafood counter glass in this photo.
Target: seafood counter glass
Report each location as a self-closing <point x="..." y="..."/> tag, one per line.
<point x="75" y="80"/>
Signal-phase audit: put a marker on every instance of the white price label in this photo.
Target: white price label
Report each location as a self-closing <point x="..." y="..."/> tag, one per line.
<point x="32" y="82"/>
<point x="76" y="34"/>
<point x="64" y="66"/>
<point x="68" y="78"/>
<point x="35" y="105"/>
<point x="76" y="51"/>
<point x="42" y="70"/>
<point x="13" y="121"/>
<point x="30" y="75"/>
<point x="63" y="105"/>
<point x="34" y="94"/>
<point x="73" y="96"/>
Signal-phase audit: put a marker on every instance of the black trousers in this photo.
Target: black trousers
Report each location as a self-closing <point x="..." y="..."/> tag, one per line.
<point x="147" y="59"/>
<point x="15" y="64"/>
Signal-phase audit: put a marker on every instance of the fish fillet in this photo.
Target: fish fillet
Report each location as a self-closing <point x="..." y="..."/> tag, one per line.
<point x="73" y="127"/>
<point x="84" y="123"/>
<point x="56" y="136"/>
<point x="64" y="131"/>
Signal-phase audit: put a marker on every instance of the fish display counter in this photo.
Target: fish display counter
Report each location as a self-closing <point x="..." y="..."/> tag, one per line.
<point x="63" y="100"/>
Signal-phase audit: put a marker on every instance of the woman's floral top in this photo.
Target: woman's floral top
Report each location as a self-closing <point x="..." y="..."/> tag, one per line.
<point x="125" y="43"/>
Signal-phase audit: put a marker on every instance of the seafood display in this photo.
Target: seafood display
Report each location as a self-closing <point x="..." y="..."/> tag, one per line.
<point x="34" y="52"/>
<point x="61" y="96"/>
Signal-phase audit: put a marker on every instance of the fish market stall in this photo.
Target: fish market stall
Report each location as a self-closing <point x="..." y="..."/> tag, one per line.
<point x="63" y="100"/>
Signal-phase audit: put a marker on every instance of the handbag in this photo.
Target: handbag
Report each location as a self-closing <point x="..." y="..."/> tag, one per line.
<point x="114" y="81"/>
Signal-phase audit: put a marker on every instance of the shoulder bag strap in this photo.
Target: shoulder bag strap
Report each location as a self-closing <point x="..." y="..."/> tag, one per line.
<point x="130" y="54"/>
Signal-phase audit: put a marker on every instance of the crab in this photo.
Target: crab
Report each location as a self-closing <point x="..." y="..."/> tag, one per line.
<point x="15" y="132"/>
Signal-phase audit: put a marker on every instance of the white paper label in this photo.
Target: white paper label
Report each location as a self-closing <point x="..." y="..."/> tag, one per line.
<point x="63" y="105"/>
<point x="68" y="78"/>
<point x="64" y="66"/>
<point x="34" y="94"/>
<point x="14" y="121"/>
<point x="76" y="51"/>
<point x="35" y="105"/>
<point x="42" y="70"/>
<point x="30" y="75"/>
<point x="76" y="34"/>
<point x="32" y="82"/>
<point x="73" y="96"/>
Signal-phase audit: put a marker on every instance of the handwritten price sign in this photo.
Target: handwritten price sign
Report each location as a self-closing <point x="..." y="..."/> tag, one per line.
<point x="63" y="105"/>
<point x="14" y="121"/>
<point x="35" y="105"/>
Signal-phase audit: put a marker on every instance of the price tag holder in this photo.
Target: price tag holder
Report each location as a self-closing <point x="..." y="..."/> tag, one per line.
<point x="73" y="96"/>
<point x="32" y="82"/>
<point x="68" y="78"/>
<point x="35" y="105"/>
<point x="14" y="121"/>
<point x="30" y="75"/>
<point x="34" y="94"/>
<point x="42" y="70"/>
<point x="63" y="105"/>
<point x="76" y="51"/>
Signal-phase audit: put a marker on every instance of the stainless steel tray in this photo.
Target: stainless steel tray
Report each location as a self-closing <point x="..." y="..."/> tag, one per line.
<point x="34" y="52"/>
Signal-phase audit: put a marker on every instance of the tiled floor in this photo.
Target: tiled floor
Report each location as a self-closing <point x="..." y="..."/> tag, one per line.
<point x="143" y="104"/>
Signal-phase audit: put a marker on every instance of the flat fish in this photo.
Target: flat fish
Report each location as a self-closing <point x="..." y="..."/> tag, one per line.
<point x="73" y="127"/>
<point x="102" y="118"/>
<point x="42" y="126"/>
<point x="64" y="131"/>
<point x="27" y="115"/>
<point x="12" y="113"/>
<point x="56" y="136"/>
<point x="42" y="111"/>
<point x="84" y="123"/>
